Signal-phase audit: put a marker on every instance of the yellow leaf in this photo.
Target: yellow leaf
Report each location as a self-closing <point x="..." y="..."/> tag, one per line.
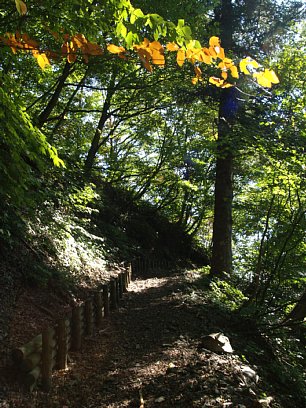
<point x="197" y="53"/>
<point x="226" y="85"/>
<point x="222" y="66"/>
<point x="158" y="58"/>
<point x="234" y="71"/>
<point x="156" y="45"/>
<point x="262" y="80"/>
<point x="194" y="54"/>
<point x="180" y="58"/>
<point x="224" y="74"/>
<point x="216" y="81"/>
<point x="190" y="44"/>
<point x="214" y="42"/>
<point x="246" y="63"/>
<point x="73" y="46"/>
<point x="42" y="60"/>
<point x="189" y="55"/>
<point x="220" y="83"/>
<point x="228" y="62"/>
<point x="220" y="52"/>
<point x="21" y="7"/>
<point x="146" y="42"/>
<point x="195" y="80"/>
<point x="207" y="59"/>
<point x="266" y="78"/>
<point x="212" y="52"/>
<point x="271" y="76"/>
<point x="243" y="66"/>
<point x="172" y="46"/>
<point x="204" y="57"/>
<point x="79" y="40"/>
<point x="253" y="63"/>
<point x="114" y="49"/>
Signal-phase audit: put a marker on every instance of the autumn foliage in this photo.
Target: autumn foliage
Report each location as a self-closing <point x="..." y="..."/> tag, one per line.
<point x="149" y="53"/>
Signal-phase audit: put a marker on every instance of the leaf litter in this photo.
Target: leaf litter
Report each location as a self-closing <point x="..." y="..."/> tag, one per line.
<point x="149" y="354"/>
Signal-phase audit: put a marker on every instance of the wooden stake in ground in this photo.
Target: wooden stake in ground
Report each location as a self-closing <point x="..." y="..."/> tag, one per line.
<point x="62" y="344"/>
<point x="47" y="359"/>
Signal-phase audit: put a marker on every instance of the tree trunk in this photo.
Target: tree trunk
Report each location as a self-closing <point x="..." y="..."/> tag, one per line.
<point x="96" y="141"/>
<point x="66" y="109"/>
<point x="221" y="262"/>
<point x="298" y="313"/>
<point x="43" y="117"/>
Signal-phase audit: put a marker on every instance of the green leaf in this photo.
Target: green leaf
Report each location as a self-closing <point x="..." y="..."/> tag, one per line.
<point x="187" y="32"/>
<point x="138" y="13"/>
<point x="121" y="30"/>
<point x="129" y="39"/>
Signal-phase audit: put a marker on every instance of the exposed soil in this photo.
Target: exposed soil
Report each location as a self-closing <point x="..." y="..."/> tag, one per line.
<point x="148" y="354"/>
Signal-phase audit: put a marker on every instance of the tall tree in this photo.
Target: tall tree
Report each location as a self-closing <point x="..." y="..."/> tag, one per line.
<point x="230" y="16"/>
<point x="221" y="261"/>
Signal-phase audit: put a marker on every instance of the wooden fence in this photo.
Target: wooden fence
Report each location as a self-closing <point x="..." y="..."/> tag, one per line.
<point x="141" y="266"/>
<point x="48" y="351"/>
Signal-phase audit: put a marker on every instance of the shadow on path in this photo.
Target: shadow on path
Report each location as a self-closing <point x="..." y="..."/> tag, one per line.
<point x="146" y="355"/>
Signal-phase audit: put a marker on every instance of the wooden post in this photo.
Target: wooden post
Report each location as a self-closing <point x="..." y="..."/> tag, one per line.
<point x="132" y="265"/>
<point x="76" y="328"/>
<point x="113" y="294"/>
<point x="89" y="321"/>
<point x="124" y="281"/>
<point x="47" y="359"/>
<point x="82" y="320"/>
<point x="62" y="344"/>
<point x="99" y="308"/>
<point x="117" y="290"/>
<point x="120" y="283"/>
<point x="105" y="292"/>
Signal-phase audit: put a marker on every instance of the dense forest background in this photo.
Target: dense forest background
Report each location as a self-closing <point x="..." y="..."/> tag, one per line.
<point x="103" y="160"/>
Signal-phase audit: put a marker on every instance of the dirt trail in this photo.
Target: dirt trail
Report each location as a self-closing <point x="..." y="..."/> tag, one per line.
<point x="147" y="355"/>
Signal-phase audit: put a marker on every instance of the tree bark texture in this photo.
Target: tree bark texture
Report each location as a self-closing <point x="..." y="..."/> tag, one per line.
<point x="221" y="262"/>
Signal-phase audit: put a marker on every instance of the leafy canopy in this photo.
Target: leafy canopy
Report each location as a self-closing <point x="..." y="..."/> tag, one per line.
<point x="129" y="24"/>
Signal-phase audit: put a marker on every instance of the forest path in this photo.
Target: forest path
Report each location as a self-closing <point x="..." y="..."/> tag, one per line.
<point x="146" y="355"/>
